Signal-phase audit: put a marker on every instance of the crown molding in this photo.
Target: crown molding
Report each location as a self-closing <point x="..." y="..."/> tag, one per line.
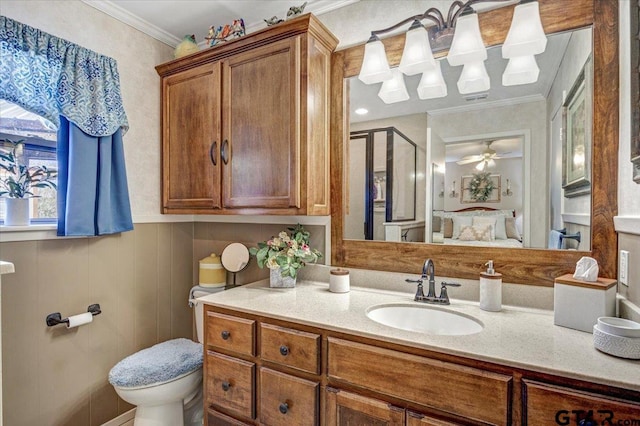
<point x="134" y="21"/>
<point x="317" y="8"/>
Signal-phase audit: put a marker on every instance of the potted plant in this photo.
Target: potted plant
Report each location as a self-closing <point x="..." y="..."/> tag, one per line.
<point x="285" y="254"/>
<point x="18" y="180"/>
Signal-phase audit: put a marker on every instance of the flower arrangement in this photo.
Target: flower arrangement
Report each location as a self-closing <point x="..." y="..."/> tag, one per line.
<point x="289" y="251"/>
<point x="19" y="179"/>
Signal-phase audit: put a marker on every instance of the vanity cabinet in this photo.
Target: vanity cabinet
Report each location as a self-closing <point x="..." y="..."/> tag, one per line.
<point x="265" y="371"/>
<point x="245" y="125"/>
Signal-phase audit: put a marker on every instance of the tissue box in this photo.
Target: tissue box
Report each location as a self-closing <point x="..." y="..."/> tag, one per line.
<point x="578" y="304"/>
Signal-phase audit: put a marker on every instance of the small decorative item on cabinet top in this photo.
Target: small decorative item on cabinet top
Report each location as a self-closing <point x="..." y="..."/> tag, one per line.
<point x="228" y="32"/>
<point x="186" y="47"/>
<point x="285" y="254"/>
<point x="293" y="12"/>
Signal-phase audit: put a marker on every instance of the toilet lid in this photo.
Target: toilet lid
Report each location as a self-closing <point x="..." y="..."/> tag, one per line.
<point x="160" y="363"/>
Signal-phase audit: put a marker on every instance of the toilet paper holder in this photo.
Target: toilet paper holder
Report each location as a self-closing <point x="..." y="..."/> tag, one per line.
<point x="55" y="318"/>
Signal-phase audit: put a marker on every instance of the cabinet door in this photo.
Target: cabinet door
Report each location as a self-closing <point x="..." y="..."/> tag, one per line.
<point x="549" y="404"/>
<point x="191" y="138"/>
<point x="346" y="408"/>
<point x="261" y="137"/>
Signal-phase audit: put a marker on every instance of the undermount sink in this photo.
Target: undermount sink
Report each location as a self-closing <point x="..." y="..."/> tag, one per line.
<point x="425" y="319"/>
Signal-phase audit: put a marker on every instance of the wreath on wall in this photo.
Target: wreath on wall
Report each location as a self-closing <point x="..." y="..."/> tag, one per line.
<point x="481" y="186"/>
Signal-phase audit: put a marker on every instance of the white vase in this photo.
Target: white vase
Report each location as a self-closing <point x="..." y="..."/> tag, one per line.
<point x="16" y="211"/>
<point x="276" y="280"/>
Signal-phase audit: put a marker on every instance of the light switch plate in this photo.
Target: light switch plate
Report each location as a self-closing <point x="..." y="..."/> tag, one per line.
<point x="624" y="267"/>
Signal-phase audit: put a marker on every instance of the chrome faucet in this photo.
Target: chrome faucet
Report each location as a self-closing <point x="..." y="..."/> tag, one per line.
<point x="428" y="268"/>
<point x="428" y="273"/>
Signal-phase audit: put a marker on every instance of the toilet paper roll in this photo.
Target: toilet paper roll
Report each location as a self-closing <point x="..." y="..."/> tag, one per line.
<point x="77" y="320"/>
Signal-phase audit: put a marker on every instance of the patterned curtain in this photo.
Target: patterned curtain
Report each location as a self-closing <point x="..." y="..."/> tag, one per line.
<point x="50" y="77"/>
<point x="79" y="91"/>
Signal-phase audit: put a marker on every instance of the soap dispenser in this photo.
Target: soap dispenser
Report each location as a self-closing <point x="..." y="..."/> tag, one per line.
<point x="490" y="289"/>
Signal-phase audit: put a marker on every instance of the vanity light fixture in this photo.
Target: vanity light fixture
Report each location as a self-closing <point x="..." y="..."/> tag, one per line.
<point x="460" y="33"/>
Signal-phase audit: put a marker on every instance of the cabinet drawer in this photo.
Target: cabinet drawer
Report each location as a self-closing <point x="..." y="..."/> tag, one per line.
<point x="230" y="384"/>
<point x="548" y="404"/>
<point x="231" y="333"/>
<point x="293" y="348"/>
<point x="287" y="400"/>
<point x="215" y="418"/>
<point x="464" y="391"/>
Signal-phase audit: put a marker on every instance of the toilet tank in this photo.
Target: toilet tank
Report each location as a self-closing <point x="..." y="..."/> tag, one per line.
<point x="199" y="308"/>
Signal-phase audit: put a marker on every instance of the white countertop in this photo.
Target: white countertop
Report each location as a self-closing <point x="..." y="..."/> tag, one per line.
<point x="517" y="337"/>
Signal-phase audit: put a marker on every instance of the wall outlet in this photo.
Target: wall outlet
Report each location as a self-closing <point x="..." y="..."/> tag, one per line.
<point x="624" y="267"/>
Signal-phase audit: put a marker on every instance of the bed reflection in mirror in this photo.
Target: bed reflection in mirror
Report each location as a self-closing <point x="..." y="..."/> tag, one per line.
<point x="489" y="166"/>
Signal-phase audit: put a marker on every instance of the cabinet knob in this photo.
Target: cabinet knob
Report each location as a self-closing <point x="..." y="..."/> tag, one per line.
<point x="226" y="386"/>
<point x="225" y="335"/>
<point x="223" y="151"/>
<point x="213" y="152"/>
<point x="284" y="407"/>
<point x="284" y="351"/>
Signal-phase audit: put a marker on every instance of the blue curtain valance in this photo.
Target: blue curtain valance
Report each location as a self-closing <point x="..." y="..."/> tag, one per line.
<point x="50" y="76"/>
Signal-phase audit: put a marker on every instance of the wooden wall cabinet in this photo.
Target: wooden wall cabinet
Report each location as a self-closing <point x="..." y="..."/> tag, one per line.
<point x="264" y="371"/>
<point x="245" y="125"/>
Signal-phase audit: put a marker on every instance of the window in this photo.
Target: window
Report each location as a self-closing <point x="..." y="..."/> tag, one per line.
<point x="39" y="136"/>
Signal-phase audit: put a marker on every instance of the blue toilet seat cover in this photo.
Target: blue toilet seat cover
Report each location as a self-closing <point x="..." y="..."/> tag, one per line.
<point x="160" y="363"/>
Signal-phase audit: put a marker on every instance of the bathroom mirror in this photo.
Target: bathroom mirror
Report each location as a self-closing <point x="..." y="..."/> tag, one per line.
<point x="493" y="132"/>
<point x="529" y="265"/>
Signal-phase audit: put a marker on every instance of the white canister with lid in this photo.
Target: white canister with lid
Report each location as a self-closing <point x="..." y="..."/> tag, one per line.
<point x="339" y="281"/>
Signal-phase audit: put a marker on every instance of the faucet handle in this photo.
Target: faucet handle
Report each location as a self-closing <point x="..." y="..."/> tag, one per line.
<point x="419" y="291"/>
<point x="444" y="296"/>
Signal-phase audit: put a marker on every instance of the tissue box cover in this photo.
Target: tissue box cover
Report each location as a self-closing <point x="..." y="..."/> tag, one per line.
<point x="578" y="304"/>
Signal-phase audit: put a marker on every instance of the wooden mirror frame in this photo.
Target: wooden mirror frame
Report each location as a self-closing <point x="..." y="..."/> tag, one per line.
<point x="525" y="266"/>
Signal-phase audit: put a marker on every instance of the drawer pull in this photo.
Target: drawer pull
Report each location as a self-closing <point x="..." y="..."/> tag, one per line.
<point x="226" y="386"/>
<point x="225" y="335"/>
<point x="284" y="407"/>
<point x="284" y="351"/>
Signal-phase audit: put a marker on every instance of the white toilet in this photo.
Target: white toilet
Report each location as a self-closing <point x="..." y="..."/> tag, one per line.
<point x="165" y="380"/>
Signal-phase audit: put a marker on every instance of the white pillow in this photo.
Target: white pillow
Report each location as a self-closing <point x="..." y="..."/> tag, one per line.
<point x="501" y="227"/>
<point x="459" y="222"/>
<point x="482" y="221"/>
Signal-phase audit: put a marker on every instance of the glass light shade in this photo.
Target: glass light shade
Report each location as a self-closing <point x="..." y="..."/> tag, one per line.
<point x="481" y="165"/>
<point x="432" y="84"/>
<point x="521" y="70"/>
<point x="394" y="90"/>
<point x="375" y="67"/>
<point x="467" y="45"/>
<point x="417" y="56"/>
<point x="526" y="35"/>
<point x="474" y="78"/>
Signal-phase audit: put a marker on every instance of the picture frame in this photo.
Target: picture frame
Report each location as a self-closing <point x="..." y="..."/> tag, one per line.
<point x="634" y="33"/>
<point x="577" y="134"/>
<point x="466" y="195"/>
